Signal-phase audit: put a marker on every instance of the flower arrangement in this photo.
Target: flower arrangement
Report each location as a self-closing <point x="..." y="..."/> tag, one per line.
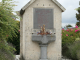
<point x="43" y="31"/>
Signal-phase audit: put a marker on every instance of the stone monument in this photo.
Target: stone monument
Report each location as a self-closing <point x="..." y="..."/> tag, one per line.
<point x="40" y="30"/>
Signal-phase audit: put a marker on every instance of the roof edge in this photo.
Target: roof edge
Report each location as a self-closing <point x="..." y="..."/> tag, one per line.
<point x="31" y="1"/>
<point x="59" y="5"/>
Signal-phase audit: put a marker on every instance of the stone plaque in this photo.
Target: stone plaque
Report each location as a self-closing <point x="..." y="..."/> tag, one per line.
<point x="42" y="17"/>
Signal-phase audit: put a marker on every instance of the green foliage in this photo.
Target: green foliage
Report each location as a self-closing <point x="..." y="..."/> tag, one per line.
<point x="8" y="28"/>
<point x="69" y="37"/>
<point x="16" y="41"/>
<point x="8" y="24"/>
<point x="75" y="50"/>
<point x="78" y="16"/>
<point x="68" y="25"/>
<point x="78" y="23"/>
<point x="6" y="51"/>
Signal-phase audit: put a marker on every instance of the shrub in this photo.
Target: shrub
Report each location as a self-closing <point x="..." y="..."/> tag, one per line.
<point x="6" y="51"/>
<point x="8" y="27"/>
<point x="75" y="50"/>
<point x="15" y="40"/>
<point x="68" y="38"/>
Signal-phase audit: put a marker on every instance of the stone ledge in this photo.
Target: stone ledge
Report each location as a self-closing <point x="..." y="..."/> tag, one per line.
<point x="43" y="59"/>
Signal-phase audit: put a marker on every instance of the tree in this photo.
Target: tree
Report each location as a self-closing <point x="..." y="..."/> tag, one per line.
<point x="78" y="16"/>
<point x="16" y="41"/>
<point x="69" y="25"/>
<point x="8" y="27"/>
<point x="7" y="23"/>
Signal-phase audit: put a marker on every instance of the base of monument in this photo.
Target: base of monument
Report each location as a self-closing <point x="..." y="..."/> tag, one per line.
<point x="43" y="59"/>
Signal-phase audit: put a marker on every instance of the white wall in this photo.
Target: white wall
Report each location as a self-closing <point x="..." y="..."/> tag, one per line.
<point x="31" y="50"/>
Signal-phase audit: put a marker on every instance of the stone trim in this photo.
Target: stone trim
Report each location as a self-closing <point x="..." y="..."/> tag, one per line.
<point x="59" y="5"/>
<point x="30" y="2"/>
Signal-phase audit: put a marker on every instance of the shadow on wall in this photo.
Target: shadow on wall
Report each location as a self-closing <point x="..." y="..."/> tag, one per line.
<point x="22" y="58"/>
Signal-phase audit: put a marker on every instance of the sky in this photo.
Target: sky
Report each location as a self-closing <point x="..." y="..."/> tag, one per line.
<point x="68" y="17"/>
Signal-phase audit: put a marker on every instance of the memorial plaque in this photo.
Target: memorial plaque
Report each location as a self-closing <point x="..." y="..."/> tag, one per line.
<point x="43" y="17"/>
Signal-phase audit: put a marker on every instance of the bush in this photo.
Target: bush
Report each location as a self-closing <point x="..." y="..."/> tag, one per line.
<point x="8" y="27"/>
<point x="68" y="39"/>
<point x="15" y="40"/>
<point x="75" y="50"/>
<point x="6" y="51"/>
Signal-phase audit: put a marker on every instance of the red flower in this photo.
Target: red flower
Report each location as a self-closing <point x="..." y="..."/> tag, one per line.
<point x="63" y="31"/>
<point x="7" y="35"/>
<point x="76" y="26"/>
<point x="77" y="30"/>
<point x="19" y="30"/>
<point x="62" y="28"/>
<point x="71" y="29"/>
<point x="71" y="36"/>
<point x="67" y="30"/>
<point x="66" y="34"/>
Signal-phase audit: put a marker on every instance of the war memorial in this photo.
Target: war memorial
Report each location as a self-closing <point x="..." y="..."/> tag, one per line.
<point x="40" y="30"/>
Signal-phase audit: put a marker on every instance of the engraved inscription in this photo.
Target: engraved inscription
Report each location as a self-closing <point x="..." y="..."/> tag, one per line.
<point x="43" y="17"/>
